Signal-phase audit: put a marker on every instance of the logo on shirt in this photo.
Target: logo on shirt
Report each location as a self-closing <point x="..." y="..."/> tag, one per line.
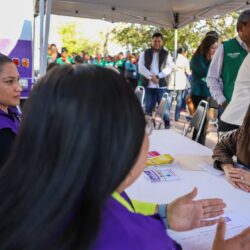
<point x="233" y="55"/>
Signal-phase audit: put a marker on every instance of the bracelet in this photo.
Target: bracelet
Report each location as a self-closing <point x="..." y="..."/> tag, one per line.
<point x="162" y="211"/>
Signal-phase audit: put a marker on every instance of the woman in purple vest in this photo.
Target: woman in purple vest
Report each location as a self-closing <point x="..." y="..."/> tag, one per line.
<point x="9" y="99"/>
<point x="85" y="142"/>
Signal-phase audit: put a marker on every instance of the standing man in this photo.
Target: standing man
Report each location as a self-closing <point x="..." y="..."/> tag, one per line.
<point x="226" y="63"/>
<point x="155" y="64"/>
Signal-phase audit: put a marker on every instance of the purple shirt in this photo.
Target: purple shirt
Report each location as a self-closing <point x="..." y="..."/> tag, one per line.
<point x="10" y="120"/>
<point x="124" y="230"/>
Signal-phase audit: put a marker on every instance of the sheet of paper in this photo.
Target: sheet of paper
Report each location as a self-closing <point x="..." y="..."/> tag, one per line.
<point x="192" y="162"/>
<point x="211" y="170"/>
<point x="155" y="175"/>
<point x="202" y="238"/>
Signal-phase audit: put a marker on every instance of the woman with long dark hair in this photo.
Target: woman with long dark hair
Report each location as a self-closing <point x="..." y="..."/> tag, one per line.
<point x="82" y="142"/>
<point x="199" y="65"/>
<point x="10" y="90"/>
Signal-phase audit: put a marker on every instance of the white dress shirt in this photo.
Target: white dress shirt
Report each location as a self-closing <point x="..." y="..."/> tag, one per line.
<point x="154" y="68"/>
<point x="214" y="80"/>
<point x="237" y="108"/>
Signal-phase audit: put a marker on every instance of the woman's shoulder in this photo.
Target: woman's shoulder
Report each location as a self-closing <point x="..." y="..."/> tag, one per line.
<point x="197" y="57"/>
<point x="122" y="229"/>
<point x="10" y="120"/>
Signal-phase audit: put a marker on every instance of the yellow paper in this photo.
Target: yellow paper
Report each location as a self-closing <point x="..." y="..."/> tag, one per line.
<point x="160" y="160"/>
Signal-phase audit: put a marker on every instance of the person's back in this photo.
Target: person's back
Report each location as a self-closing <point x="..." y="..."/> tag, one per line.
<point x="178" y="79"/>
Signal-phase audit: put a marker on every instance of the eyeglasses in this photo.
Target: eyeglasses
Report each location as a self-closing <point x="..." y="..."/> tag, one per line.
<point x="149" y="125"/>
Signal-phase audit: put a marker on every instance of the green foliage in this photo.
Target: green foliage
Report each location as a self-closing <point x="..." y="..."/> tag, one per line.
<point x="74" y="41"/>
<point x="137" y="37"/>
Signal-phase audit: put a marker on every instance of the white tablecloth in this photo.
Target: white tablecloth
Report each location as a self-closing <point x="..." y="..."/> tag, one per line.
<point x="168" y="141"/>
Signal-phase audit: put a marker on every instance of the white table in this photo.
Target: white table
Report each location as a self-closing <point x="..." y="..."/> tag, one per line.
<point x="209" y="186"/>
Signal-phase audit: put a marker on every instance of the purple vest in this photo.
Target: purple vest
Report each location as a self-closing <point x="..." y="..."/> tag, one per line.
<point x="10" y="120"/>
<point x="124" y="230"/>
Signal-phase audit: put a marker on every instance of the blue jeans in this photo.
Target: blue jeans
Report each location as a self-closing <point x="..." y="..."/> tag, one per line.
<point x="151" y="97"/>
<point x="179" y="94"/>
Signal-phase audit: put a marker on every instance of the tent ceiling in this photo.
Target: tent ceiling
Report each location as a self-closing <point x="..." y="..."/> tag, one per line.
<point x="157" y="12"/>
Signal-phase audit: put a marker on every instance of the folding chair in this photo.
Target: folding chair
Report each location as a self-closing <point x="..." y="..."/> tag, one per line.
<point x="140" y="93"/>
<point x="158" y="117"/>
<point x="213" y="105"/>
<point x="197" y="120"/>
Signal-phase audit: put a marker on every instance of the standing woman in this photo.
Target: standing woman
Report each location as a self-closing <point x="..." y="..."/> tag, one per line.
<point x="9" y="99"/>
<point x="199" y="66"/>
<point x="179" y="80"/>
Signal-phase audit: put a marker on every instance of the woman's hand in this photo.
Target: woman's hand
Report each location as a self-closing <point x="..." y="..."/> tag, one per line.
<point x="185" y="213"/>
<point x="235" y="177"/>
<point x="241" y="177"/>
<point x="239" y="242"/>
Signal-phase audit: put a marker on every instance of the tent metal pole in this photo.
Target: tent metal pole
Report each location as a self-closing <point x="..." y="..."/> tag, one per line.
<point x="175" y="50"/>
<point x="46" y="36"/>
<point x="175" y="56"/>
<point x="41" y="8"/>
<point x="175" y="43"/>
<point x="33" y="48"/>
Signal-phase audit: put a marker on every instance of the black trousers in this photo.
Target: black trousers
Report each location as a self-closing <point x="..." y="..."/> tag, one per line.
<point x="202" y="138"/>
<point x="225" y="127"/>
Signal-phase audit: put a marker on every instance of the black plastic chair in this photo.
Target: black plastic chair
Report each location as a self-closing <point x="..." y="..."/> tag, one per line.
<point x="197" y="120"/>
<point x="158" y="117"/>
<point x="140" y="93"/>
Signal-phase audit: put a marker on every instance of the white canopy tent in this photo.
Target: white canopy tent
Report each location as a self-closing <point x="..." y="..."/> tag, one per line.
<point x="164" y="13"/>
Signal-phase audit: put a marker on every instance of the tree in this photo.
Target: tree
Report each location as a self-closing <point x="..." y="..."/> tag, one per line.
<point x="138" y="37"/>
<point x="74" y="41"/>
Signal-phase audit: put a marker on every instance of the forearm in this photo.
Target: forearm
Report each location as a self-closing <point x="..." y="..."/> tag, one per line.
<point x="225" y="150"/>
<point x="168" y="68"/>
<point x="216" y="89"/>
<point x="142" y="69"/>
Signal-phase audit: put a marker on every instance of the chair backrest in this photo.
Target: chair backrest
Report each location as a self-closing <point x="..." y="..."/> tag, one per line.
<point x="198" y="118"/>
<point x="140" y="93"/>
<point x="162" y="106"/>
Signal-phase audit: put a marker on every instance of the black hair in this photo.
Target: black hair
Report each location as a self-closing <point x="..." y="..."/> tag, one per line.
<point x="213" y="33"/>
<point x="244" y="18"/>
<point x="181" y="50"/>
<point x="81" y="133"/>
<point x="78" y="59"/>
<point x="64" y="50"/>
<point x="157" y="34"/>
<point x="52" y="65"/>
<point x="4" y="60"/>
<point x="205" y="45"/>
